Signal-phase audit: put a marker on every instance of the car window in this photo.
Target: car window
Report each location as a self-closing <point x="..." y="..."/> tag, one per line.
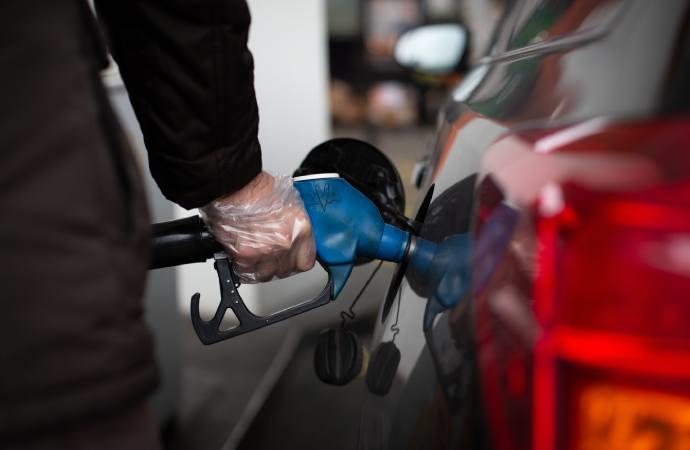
<point x="541" y="20"/>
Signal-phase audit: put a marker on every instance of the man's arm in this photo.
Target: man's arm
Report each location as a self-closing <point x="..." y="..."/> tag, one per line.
<point x="189" y="75"/>
<point x="190" y="79"/>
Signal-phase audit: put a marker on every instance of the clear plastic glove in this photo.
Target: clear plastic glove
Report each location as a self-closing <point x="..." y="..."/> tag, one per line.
<point x="264" y="229"/>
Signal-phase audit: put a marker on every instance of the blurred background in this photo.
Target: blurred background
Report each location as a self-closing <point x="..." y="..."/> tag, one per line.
<point x="324" y="68"/>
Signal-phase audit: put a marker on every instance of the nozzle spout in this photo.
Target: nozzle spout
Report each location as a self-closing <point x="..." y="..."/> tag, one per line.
<point x="394" y="244"/>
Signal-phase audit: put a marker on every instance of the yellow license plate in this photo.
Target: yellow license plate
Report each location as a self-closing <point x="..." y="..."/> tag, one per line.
<point x="612" y="418"/>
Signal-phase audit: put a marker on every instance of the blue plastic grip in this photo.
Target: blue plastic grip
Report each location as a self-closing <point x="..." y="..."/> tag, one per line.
<point x="347" y="225"/>
<point x="423" y="255"/>
<point x="393" y="244"/>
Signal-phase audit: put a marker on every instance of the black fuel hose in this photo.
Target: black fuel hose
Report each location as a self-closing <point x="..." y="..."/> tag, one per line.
<point x="181" y="241"/>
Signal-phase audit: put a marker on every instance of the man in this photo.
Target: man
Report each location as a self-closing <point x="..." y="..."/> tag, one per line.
<point x="76" y="358"/>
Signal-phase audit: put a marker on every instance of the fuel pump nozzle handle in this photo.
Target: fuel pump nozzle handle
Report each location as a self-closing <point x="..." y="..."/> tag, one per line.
<point x="346" y="226"/>
<point x="186" y="241"/>
<point x="182" y="241"/>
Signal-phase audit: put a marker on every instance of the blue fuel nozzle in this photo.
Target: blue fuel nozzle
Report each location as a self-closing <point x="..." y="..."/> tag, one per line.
<point x="347" y="226"/>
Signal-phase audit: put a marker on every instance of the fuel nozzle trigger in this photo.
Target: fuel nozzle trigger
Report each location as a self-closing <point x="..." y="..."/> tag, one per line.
<point x="210" y="332"/>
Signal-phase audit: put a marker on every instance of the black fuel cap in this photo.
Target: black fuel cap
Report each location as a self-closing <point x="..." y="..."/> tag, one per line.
<point x="382" y="368"/>
<point x="338" y="356"/>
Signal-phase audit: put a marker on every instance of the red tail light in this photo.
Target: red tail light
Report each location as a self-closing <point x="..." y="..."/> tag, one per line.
<point x="606" y="363"/>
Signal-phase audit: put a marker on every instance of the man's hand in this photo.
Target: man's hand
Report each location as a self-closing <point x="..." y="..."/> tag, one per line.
<point x="263" y="228"/>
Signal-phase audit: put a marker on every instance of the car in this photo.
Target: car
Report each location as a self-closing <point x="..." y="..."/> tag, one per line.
<point x="564" y="157"/>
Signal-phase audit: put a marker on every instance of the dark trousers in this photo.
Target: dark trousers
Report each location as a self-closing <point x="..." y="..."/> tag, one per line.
<point x="134" y="429"/>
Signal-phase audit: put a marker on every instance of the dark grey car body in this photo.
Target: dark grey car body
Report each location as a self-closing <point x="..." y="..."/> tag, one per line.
<point x="551" y="65"/>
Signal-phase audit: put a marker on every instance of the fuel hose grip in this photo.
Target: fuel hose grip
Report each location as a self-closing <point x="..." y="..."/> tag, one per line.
<point x="346" y="226"/>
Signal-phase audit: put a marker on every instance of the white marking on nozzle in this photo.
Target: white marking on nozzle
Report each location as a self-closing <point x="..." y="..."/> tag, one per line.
<point x="316" y="176"/>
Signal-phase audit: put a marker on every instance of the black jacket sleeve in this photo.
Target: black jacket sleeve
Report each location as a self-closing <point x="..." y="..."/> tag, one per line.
<point x="189" y="75"/>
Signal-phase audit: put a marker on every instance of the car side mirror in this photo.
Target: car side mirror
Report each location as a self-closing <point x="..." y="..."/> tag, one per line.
<point x="432" y="49"/>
